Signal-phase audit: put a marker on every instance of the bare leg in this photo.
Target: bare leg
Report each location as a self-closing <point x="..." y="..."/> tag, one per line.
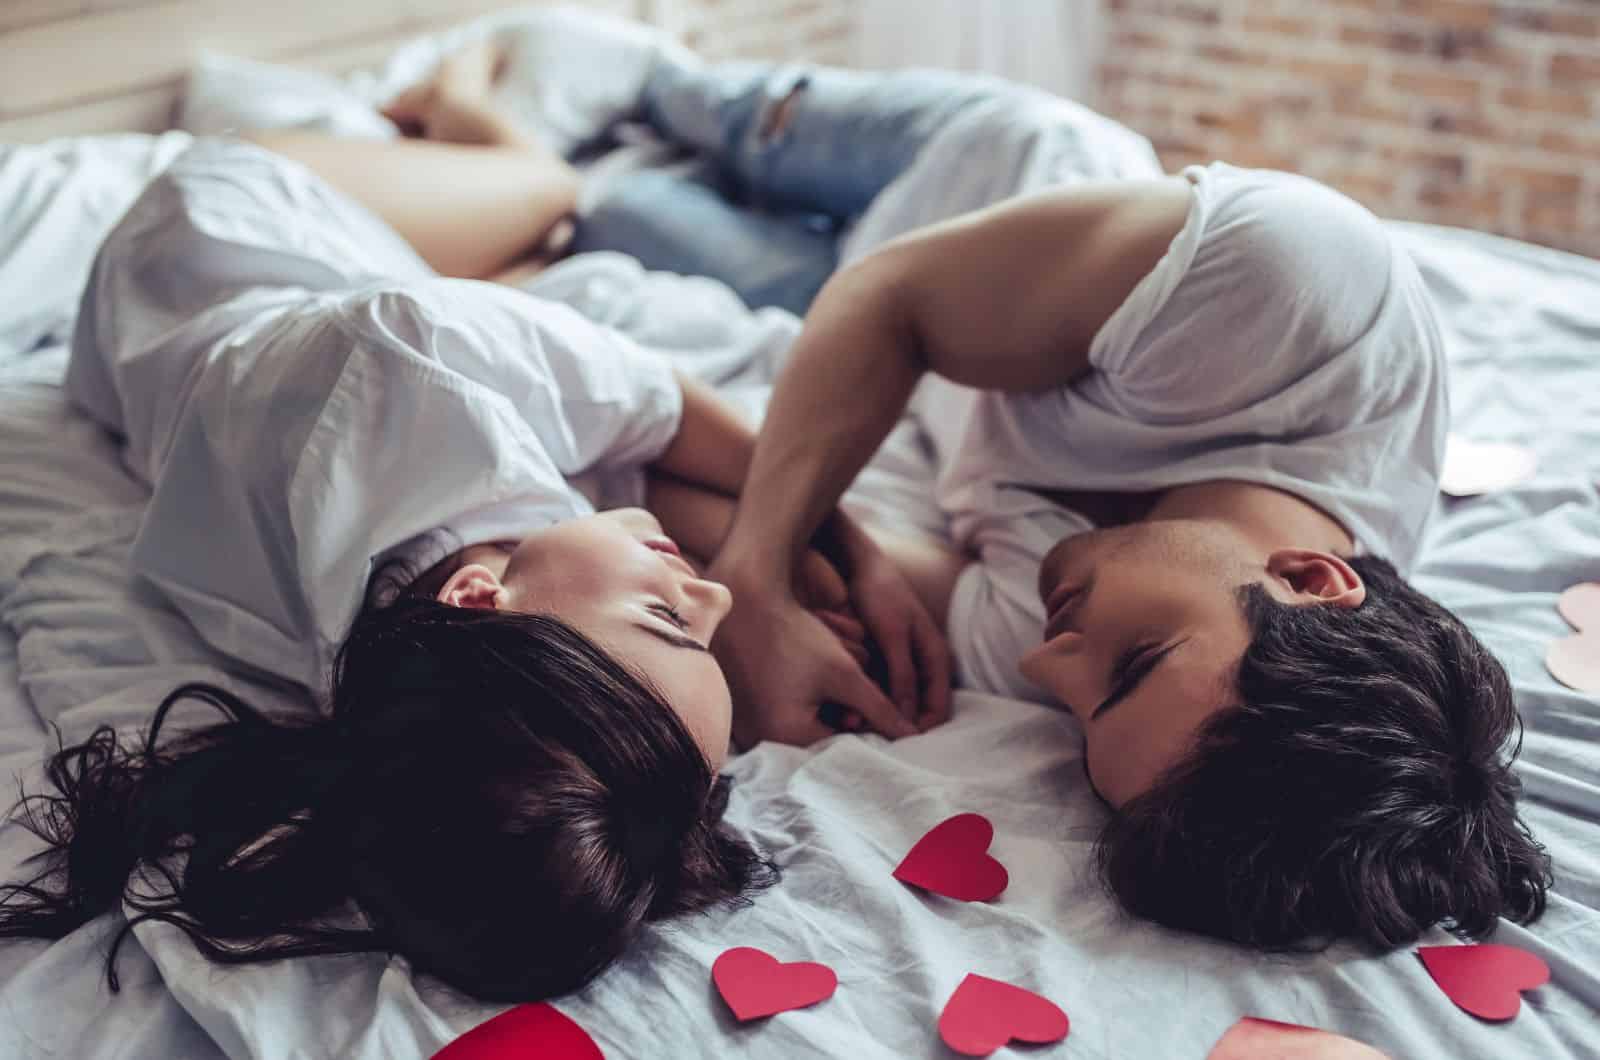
<point x="480" y="195"/>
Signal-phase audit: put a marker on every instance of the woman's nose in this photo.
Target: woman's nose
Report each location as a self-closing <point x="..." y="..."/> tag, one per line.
<point x="713" y="599"/>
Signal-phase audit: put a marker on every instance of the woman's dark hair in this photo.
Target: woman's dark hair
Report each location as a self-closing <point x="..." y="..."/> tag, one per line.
<point x="1361" y="788"/>
<point x="493" y="797"/>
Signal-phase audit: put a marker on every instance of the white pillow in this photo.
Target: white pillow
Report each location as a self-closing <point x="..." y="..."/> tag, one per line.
<point x="570" y="74"/>
<point x="61" y="198"/>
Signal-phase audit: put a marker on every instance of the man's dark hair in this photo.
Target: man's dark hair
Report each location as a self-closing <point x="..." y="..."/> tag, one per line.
<point x="493" y="797"/>
<point x="1361" y="788"/>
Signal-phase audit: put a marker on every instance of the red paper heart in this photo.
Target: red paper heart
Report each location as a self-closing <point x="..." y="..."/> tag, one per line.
<point x="1258" y="1039"/>
<point x="951" y="860"/>
<point x="527" y="1030"/>
<point x="984" y="1014"/>
<point x="756" y="984"/>
<point x="1485" y="980"/>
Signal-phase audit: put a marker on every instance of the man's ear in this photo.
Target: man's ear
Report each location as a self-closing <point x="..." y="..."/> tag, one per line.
<point x="1314" y="577"/>
<point x="474" y="585"/>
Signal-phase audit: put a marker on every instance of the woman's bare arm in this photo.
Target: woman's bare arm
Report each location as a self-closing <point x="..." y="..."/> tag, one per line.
<point x="698" y="519"/>
<point x="713" y="445"/>
<point x="469" y="210"/>
<point x="478" y="194"/>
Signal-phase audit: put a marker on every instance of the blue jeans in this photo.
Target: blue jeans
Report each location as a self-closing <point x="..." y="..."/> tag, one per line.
<point x="787" y="155"/>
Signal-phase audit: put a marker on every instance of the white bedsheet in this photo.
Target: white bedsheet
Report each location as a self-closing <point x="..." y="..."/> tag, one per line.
<point x="1522" y="325"/>
<point x="1521" y="322"/>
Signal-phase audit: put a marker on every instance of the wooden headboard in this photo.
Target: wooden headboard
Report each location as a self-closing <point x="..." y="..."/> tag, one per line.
<point x="69" y="67"/>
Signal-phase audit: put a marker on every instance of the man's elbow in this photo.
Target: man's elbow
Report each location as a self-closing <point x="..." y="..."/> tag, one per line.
<point x="879" y="291"/>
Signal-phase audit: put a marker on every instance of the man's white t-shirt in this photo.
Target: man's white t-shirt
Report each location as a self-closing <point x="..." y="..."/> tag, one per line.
<point x="1283" y="339"/>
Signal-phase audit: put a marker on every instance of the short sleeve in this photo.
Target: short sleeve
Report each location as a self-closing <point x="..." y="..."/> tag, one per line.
<point x="1272" y="276"/>
<point x="996" y="616"/>
<point x="594" y="398"/>
<point x="989" y="628"/>
<point x="320" y="435"/>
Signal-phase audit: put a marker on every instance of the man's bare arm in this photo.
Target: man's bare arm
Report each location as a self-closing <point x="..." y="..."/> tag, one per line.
<point x="1007" y="298"/>
<point x="1011" y="297"/>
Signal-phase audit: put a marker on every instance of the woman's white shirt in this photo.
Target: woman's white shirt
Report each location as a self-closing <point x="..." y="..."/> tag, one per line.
<point x="307" y="400"/>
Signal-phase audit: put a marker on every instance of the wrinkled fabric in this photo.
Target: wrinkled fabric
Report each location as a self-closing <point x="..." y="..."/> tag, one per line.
<point x="307" y="401"/>
<point x="82" y="644"/>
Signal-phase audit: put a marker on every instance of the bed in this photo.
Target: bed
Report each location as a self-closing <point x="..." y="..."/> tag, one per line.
<point x="80" y="645"/>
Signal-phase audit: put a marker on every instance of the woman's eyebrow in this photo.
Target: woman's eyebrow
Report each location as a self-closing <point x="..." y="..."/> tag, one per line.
<point x="1127" y="688"/>
<point x="677" y="640"/>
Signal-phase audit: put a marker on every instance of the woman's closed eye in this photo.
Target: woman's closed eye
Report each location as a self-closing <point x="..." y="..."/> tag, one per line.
<point x="671" y="614"/>
<point x="672" y="617"/>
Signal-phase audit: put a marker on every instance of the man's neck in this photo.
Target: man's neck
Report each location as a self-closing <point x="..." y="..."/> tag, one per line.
<point x="1270" y="517"/>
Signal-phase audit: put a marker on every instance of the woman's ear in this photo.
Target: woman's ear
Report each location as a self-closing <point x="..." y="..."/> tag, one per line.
<point x="1314" y="577"/>
<point x="474" y="585"/>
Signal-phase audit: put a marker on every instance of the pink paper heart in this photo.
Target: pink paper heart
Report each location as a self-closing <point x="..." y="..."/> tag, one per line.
<point x="1473" y="467"/>
<point x="1486" y="980"/>
<point x="756" y="984"/>
<point x="952" y="860"/>
<point x="1575" y="660"/>
<point x="527" y="1030"/>
<point x="1580" y="605"/>
<point x="984" y="1014"/>
<point x="1259" y="1039"/>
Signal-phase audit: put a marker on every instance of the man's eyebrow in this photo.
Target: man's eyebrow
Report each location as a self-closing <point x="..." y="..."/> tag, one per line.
<point x="677" y="640"/>
<point x="1127" y="688"/>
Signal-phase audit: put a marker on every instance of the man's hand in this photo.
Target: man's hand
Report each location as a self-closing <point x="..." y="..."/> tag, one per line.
<point x="783" y="663"/>
<point x="914" y="650"/>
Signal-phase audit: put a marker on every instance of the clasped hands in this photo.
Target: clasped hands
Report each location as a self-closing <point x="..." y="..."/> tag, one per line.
<point x="796" y="649"/>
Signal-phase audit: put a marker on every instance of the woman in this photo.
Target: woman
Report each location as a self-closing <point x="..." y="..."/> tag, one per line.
<point x="362" y="467"/>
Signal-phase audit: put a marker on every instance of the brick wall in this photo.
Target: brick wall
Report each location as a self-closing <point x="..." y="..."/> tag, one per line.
<point x="1466" y="112"/>
<point x="1479" y="113"/>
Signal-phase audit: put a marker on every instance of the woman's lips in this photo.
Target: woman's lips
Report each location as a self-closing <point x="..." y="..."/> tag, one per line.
<point x="662" y="543"/>
<point x="669" y="548"/>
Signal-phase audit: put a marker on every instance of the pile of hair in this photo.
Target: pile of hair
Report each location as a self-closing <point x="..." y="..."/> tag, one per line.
<point x="1361" y="787"/>
<point x="492" y="797"/>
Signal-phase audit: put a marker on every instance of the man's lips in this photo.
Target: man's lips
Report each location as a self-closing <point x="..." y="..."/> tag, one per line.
<point x="1060" y="608"/>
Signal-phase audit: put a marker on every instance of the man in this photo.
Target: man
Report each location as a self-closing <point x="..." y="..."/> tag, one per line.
<point x="1212" y="414"/>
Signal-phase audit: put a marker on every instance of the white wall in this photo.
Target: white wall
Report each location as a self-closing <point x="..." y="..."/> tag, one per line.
<point x="1053" y="44"/>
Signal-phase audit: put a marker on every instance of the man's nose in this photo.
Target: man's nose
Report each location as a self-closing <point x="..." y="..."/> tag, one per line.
<point x="1068" y="642"/>
<point x="1060" y="668"/>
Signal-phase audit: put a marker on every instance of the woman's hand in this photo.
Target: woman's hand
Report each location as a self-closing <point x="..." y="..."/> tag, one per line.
<point x="821" y="589"/>
<point x="784" y="662"/>
<point x="915" y="652"/>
